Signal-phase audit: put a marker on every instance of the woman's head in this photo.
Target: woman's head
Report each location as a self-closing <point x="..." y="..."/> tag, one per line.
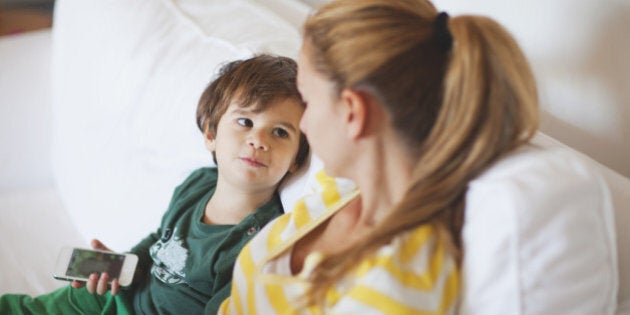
<point x="386" y="48"/>
<point x="403" y="55"/>
<point x="458" y="91"/>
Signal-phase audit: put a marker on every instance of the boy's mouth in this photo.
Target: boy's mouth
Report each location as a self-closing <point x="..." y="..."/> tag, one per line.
<point x="253" y="162"/>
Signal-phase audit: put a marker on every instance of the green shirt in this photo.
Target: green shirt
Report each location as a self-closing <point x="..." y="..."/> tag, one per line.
<point x="186" y="266"/>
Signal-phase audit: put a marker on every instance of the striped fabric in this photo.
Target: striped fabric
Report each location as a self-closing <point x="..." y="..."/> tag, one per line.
<point x="414" y="274"/>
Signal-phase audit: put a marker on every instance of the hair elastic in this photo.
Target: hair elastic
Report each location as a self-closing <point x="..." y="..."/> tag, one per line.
<point x="442" y="34"/>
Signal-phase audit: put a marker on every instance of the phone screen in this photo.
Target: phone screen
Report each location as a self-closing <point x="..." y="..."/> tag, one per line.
<point x="85" y="262"/>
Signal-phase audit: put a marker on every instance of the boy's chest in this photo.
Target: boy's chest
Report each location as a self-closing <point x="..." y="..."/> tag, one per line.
<point x="193" y="253"/>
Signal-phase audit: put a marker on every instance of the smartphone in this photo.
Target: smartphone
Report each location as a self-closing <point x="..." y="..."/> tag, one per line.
<point x="78" y="263"/>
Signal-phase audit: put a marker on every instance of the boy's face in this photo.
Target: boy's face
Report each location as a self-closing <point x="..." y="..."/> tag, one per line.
<point x="254" y="150"/>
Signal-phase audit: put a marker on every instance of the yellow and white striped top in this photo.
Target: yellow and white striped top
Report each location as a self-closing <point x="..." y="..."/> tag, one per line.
<point x="414" y="274"/>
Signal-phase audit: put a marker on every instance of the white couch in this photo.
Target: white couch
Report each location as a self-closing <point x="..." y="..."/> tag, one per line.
<point x="98" y="123"/>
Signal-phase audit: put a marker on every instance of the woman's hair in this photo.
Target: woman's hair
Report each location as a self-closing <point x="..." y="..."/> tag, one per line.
<point x="258" y="81"/>
<point x="459" y="91"/>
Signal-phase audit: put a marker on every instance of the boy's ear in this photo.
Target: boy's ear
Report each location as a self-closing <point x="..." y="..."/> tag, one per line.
<point x="293" y="168"/>
<point x="208" y="140"/>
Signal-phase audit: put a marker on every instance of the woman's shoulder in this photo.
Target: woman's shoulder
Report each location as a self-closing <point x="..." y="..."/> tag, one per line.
<point x="310" y="211"/>
<point x="421" y="250"/>
<point x="329" y="195"/>
<point x="414" y="272"/>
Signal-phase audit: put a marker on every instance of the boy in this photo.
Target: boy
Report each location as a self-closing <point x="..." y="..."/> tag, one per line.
<point x="249" y="117"/>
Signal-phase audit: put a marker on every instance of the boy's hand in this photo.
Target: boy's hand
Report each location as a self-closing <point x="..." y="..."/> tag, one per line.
<point x="96" y="284"/>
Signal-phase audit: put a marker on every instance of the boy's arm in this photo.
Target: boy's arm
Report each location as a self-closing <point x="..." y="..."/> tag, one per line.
<point x="142" y="251"/>
<point x="212" y="307"/>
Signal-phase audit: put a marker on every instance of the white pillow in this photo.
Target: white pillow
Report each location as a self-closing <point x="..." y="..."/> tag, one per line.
<point x="127" y="77"/>
<point x="539" y="237"/>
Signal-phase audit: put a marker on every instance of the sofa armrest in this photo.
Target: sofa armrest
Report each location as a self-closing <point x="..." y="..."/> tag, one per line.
<point x="619" y="186"/>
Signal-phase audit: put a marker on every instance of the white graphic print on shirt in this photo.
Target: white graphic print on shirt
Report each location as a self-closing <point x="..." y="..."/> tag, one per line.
<point x="169" y="259"/>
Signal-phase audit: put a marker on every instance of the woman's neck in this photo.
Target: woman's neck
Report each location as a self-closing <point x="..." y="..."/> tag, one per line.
<point x="383" y="174"/>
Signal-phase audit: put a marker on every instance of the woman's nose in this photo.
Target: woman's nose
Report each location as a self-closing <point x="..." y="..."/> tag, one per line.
<point x="303" y="124"/>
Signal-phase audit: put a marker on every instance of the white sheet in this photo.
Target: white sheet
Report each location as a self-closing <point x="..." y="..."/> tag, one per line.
<point x="34" y="227"/>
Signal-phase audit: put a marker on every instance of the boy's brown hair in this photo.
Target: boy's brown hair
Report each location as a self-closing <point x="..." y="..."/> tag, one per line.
<point x="258" y="81"/>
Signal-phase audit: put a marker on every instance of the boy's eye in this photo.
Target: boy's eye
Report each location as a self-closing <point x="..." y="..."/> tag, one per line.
<point x="280" y="133"/>
<point x="245" y="122"/>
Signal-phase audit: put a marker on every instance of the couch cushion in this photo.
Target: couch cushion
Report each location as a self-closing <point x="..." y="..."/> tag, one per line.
<point x="539" y="236"/>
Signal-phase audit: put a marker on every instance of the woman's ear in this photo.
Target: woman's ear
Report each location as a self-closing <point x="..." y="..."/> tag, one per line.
<point x="355" y="111"/>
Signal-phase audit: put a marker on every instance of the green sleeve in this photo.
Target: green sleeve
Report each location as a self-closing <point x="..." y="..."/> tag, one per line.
<point x="142" y="250"/>
<point x="144" y="259"/>
<point x="215" y="302"/>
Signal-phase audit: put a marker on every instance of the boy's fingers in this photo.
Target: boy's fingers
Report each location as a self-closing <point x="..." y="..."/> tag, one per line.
<point x="96" y="244"/>
<point x="77" y="284"/>
<point x="101" y="287"/>
<point x="115" y="287"/>
<point x="91" y="283"/>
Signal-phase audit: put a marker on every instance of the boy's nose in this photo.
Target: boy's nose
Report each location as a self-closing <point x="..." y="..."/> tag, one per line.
<point x="257" y="141"/>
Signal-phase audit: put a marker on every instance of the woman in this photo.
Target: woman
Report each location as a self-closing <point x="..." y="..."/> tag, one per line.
<point x="411" y="106"/>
